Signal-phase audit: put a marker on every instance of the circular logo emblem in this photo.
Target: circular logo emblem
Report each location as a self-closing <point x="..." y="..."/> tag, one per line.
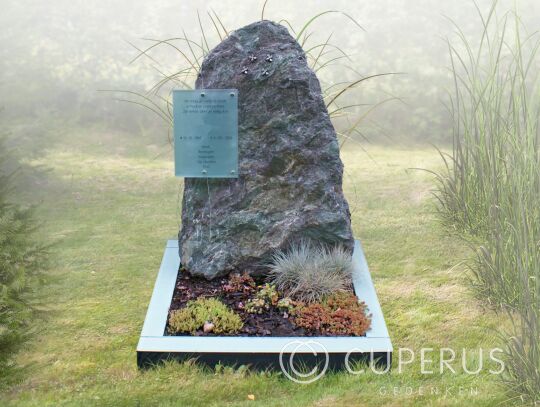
<point x="298" y="373"/>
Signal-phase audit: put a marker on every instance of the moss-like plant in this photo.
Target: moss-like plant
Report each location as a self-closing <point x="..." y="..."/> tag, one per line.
<point x="309" y="272"/>
<point x="192" y="318"/>
<point x="339" y="314"/>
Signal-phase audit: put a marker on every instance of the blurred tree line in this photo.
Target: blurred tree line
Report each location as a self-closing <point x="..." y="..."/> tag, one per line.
<point x="56" y="56"/>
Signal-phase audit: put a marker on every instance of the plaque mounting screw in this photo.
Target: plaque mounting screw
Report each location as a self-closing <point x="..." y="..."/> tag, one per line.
<point x="232" y="94"/>
<point x="269" y="58"/>
<point x="204" y="171"/>
<point x="233" y="171"/>
<point x="244" y="70"/>
<point x="203" y="94"/>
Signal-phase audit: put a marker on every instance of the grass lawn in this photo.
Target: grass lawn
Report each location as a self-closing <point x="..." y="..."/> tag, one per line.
<point x="111" y="204"/>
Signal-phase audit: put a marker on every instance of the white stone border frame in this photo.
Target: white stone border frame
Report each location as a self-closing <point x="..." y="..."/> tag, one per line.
<point x="154" y="346"/>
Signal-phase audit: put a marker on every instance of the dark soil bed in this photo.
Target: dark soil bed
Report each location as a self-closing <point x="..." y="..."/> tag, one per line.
<point x="269" y="323"/>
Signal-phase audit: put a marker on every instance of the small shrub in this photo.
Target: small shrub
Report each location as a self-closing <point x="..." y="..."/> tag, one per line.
<point x="192" y="318"/>
<point x="23" y="260"/>
<point x="339" y="314"/>
<point x="309" y="273"/>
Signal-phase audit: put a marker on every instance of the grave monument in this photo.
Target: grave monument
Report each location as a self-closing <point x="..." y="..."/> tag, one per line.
<point x="265" y="171"/>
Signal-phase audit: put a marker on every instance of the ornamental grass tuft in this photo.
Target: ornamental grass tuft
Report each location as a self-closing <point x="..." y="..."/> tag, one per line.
<point x="309" y="272"/>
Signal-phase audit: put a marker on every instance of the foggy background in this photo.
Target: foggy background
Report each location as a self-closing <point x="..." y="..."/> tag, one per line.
<point x="55" y="56"/>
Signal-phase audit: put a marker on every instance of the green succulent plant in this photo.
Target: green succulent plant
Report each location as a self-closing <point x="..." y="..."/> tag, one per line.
<point x="192" y="318"/>
<point x="266" y="298"/>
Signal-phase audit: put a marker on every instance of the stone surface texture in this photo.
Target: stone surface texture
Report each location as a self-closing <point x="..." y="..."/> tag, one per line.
<point x="290" y="173"/>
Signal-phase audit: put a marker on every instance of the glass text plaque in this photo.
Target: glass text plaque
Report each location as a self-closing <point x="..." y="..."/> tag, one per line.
<point x="205" y="123"/>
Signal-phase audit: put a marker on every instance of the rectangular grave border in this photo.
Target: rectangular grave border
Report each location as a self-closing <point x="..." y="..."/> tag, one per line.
<point x="259" y="352"/>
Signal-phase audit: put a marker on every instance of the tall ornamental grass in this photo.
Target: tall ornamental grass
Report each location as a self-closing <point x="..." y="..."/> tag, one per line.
<point x="490" y="191"/>
<point x="322" y="55"/>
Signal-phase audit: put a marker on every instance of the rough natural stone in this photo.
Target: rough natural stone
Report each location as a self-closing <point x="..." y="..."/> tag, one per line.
<point x="290" y="173"/>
